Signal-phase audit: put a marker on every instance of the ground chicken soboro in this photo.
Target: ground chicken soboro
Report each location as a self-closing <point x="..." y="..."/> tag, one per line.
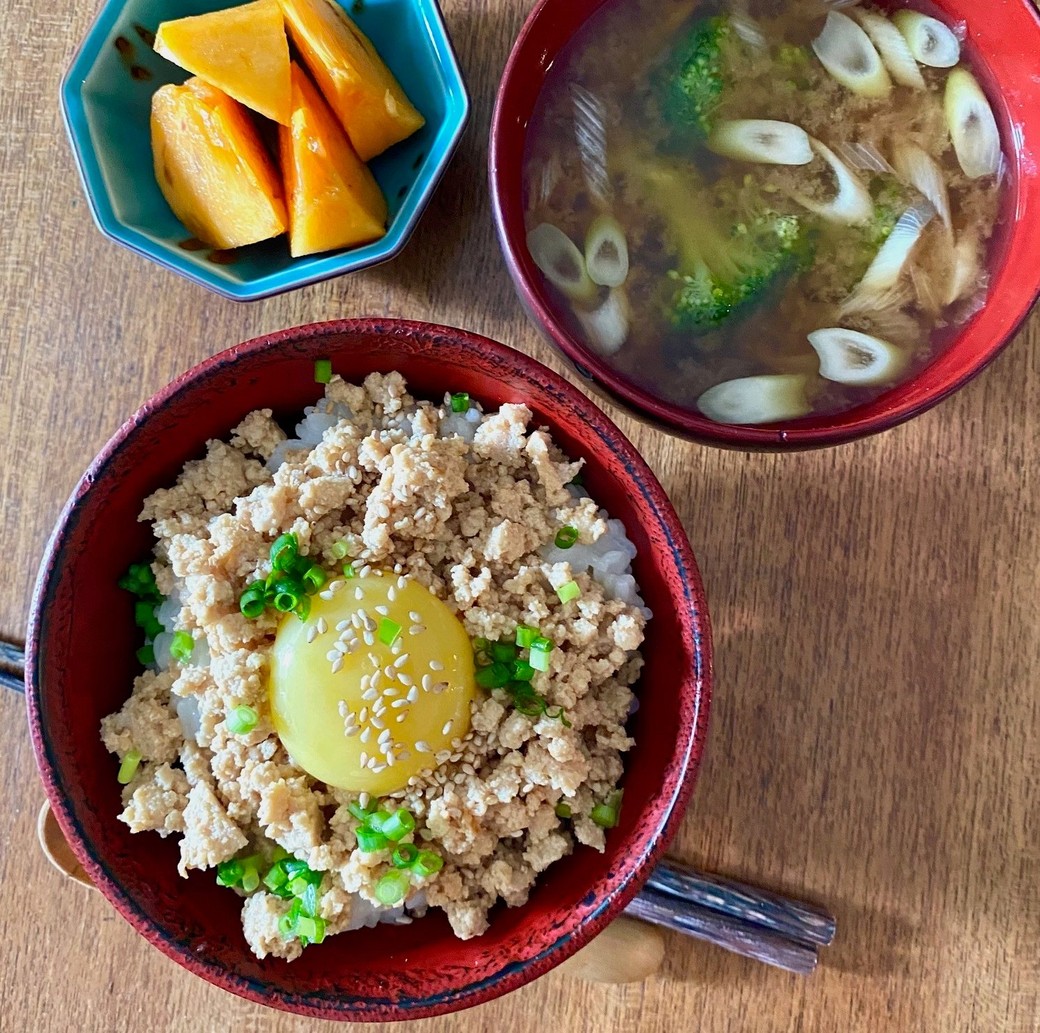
<point x="470" y="521"/>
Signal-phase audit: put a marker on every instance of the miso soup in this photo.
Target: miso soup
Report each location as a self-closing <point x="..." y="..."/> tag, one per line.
<point x="763" y="210"/>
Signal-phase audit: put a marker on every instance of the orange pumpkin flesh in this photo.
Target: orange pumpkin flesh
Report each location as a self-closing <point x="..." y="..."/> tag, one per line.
<point x="360" y="89"/>
<point x="241" y="50"/>
<point x="334" y="200"/>
<point x="212" y="168"/>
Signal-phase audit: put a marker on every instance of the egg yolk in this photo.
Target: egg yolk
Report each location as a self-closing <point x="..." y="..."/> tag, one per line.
<point x="374" y="683"/>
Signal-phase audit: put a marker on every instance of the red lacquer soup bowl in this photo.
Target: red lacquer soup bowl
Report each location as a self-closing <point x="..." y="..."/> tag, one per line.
<point x="1003" y="46"/>
<point x="81" y="663"/>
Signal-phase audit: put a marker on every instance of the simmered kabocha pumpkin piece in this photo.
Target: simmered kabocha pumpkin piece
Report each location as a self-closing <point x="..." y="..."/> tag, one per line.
<point x="360" y="89"/>
<point x="334" y="200"/>
<point x="212" y="167"/>
<point x="241" y="50"/>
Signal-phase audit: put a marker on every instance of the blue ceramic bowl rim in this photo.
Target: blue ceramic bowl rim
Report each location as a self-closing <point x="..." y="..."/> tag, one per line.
<point x="336" y="264"/>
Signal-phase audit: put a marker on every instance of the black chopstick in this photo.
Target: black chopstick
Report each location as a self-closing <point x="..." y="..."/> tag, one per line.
<point x="12" y="666"/>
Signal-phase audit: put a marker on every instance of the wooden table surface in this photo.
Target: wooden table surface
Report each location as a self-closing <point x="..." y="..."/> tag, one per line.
<point x="875" y="730"/>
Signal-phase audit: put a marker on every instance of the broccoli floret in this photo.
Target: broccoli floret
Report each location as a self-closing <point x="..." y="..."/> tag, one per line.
<point x="692" y="81"/>
<point x="724" y="261"/>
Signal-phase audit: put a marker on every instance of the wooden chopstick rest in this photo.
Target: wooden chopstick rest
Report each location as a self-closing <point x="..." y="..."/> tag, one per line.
<point x="56" y="849"/>
<point x="626" y="951"/>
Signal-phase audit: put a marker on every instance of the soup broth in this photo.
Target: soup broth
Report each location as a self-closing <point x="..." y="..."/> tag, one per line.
<point x="773" y="194"/>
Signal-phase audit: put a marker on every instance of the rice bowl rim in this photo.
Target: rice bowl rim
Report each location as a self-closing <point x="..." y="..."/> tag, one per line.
<point x="608" y="897"/>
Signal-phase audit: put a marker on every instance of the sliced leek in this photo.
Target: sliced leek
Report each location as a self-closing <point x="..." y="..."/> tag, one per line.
<point x="965" y="270"/>
<point x="563" y="264"/>
<point x="851" y="357"/>
<point x="931" y="42"/>
<point x="888" y="263"/>
<point x="918" y="168"/>
<point x="845" y="50"/>
<point x="607" y="327"/>
<point x="893" y="48"/>
<point x="851" y="205"/>
<point x="973" y="129"/>
<point x="606" y="252"/>
<point x="770" y="398"/>
<point x="762" y="140"/>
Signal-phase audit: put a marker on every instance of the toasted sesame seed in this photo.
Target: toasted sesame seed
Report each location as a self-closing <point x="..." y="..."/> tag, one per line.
<point x="363" y="759"/>
<point x="455" y="743"/>
<point x="401" y="717"/>
<point x="377" y="768"/>
<point x="396" y="647"/>
<point x="343" y="625"/>
<point x="384" y="735"/>
<point x="436" y="665"/>
<point x="391" y="594"/>
<point x="390" y="692"/>
<point x="413" y="694"/>
<point x="322" y="626"/>
<point x="468" y="768"/>
<point x="370" y="639"/>
<point x="363" y="716"/>
<point x="416" y="629"/>
<point x="359" y="593"/>
<point x="365" y="570"/>
<point x="333" y="654"/>
<point x="439" y="687"/>
<point x="369" y="695"/>
<point x="404" y="755"/>
<point x="398" y="568"/>
<point x="335" y="586"/>
<point x="325" y="595"/>
<point x="399" y="703"/>
<point x="363" y="799"/>
<point x="405" y="680"/>
<point x="415" y="616"/>
<point x="422" y="746"/>
<point x="312" y="634"/>
<point x="367" y="733"/>
<point x="351" y="730"/>
<point x="459" y="779"/>
<point x="352" y="472"/>
<point x="337" y="665"/>
<point x="377" y="723"/>
<point x="384" y="610"/>
<point x="427" y="682"/>
<point x="400" y="661"/>
<point x="401" y="582"/>
<point x="389" y="759"/>
<point x="447" y="727"/>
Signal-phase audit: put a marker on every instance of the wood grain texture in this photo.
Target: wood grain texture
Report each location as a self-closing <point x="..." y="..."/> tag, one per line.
<point x="877" y="717"/>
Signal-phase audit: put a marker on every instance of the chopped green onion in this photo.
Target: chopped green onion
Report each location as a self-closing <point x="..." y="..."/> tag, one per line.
<point x="398" y="825"/>
<point x="276" y="878"/>
<point x="322" y="371"/>
<point x="128" y="768"/>
<point x="566" y="537"/>
<point x="309" y="899"/>
<point x="405" y="855"/>
<point x="299" y="886"/>
<point x="388" y="631"/>
<point x="525" y="636"/>
<point x="522" y="670"/>
<point x="568" y="590"/>
<point x="294" y="867"/>
<point x="284" y="550"/>
<point x="606" y="814"/>
<point x="146" y="655"/>
<point x="286" y="926"/>
<point x="229" y="873"/>
<point x="481" y="645"/>
<point x="392" y="887"/>
<point x="303" y="607"/>
<point x="503" y="651"/>
<point x="370" y="840"/>
<point x="359" y="812"/>
<point x="539" y="659"/>
<point x="558" y="716"/>
<point x="310" y="930"/>
<point x="376" y="818"/>
<point x="250" y="879"/>
<point x="313" y="578"/>
<point x="544" y="644"/>
<point x="494" y="677"/>
<point x="139" y="580"/>
<point x="252" y="602"/>
<point x="427" y="863"/>
<point x="242" y="720"/>
<point x="563" y="810"/>
<point x="339" y="549"/>
<point x="460" y="402"/>
<point x="144" y="617"/>
<point x="348" y="570"/>
<point x="182" y="646"/>
<point x="285" y="594"/>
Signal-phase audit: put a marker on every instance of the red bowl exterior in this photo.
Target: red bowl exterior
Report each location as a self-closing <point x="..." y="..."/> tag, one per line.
<point x="80" y="664"/>
<point x="1003" y="43"/>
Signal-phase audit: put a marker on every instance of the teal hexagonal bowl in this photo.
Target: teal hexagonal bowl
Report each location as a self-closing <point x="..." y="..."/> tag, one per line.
<point x="106" y="102"/>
